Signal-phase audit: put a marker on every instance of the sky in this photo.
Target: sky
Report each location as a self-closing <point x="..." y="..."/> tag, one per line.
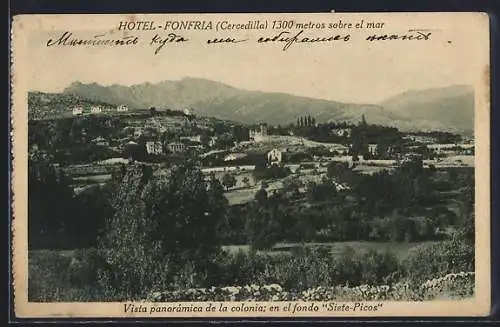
<point x="355" y="71"/>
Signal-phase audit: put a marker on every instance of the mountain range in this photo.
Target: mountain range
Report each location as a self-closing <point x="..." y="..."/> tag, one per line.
<point x="445" y="109"/>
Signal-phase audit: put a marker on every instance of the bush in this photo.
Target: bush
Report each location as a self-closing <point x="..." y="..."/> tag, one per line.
<point x="84" y="267"/>
<point x="307" y="267"/>
<point x="428" y="261"/>
<point x="379" y="267"/>
<point x="55" y="276"/>
<point x="47" y="275"/>
<point x="272" y="172"/>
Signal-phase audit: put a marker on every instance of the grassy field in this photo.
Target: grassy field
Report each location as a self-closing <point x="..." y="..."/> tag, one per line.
<point x="337" y="248"/>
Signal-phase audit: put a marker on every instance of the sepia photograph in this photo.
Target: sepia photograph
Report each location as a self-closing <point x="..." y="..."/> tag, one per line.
<point x="306" y="164"/>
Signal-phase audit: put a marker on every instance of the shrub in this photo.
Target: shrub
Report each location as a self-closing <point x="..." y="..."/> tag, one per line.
<point x="436" y="259"/>
<point x="47" y="275"/>
<point x="306" y="267"/>
<point x="379" y="267"/>
<point x="84" y="267"/>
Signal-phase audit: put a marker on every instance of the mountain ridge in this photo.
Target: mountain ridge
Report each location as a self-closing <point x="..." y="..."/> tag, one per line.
<point x="452" y="105"/>
<point x="213" y="98"/>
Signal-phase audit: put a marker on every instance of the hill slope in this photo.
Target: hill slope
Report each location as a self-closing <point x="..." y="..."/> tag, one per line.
<point x="450" y="106"/>
<point x="56" y="105"/>
<point x="226" y="102"/>
<point x="223" y="101"/>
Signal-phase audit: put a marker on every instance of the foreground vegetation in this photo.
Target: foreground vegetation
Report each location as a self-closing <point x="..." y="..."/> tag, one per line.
<point x="310" y="270"/>
<point x="148" y="231"/>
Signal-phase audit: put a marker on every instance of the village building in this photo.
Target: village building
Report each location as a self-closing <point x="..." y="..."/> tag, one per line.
<point x="274" y="157"/>
<point x="176" y="147"/>
<point x="259" y="134"/>
<point x="213" y="141"/>
<point x="452" y="149"/>
<point x="338" y="149"/>
<point x="138" y="131"/>
<point x="234" y="156"/>
<point x="77" y="111"/>
<point x="100" y="141"/>
<point x="122" y="108"/>
<point x="420" y="139"/>
<point x="192" y="139"/>
<point x="154" y="147"/>
<point x="372" y="149"/>
<point x="96" y="109"/>
<point x="343" y="132"/>
<point x="409" y="157"/>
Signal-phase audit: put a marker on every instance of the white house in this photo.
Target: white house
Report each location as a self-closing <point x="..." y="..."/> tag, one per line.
<point x="212" y="142"/>
<point x="234" y="156"/>
<point x="196" y="139"/>
<point x="100" y="141"/>
<point x="274" y="157"/>
<point x="77" y="111"/>
<point x="372" y="148"/>
<point x="258" y="135"/>
<point x="346" y="132"/>
<point x="122" y="108"/>
<point x="154" y="147"/>
<point x="176" y="147"/>
<point x="96" y="109"/>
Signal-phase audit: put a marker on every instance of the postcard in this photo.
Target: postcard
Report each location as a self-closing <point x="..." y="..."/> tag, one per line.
<point x="251" y="165"/>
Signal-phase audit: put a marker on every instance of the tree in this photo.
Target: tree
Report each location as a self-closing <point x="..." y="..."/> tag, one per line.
<point x="301" y="122"/>
<point x="153" y="241"/>
<point x="246" y="181"/>
<point x="218" y="205"/>
<point x="50" y="204"/>
<point x="321" y="192"/>
<point x="263" y="223"/>
<point x="363" y="120"/>
<point x="205" y="139"/>
<point x="228" y="181"/>
<point x="152" y="111"/>
<point x="261" y="197"/>
<point x="92" y="209"/>
<point x="466" y="230"/>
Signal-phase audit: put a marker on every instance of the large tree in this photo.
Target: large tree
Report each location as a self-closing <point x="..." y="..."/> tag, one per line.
<point x="164" y="232"/>
<point x="50" y="203"/>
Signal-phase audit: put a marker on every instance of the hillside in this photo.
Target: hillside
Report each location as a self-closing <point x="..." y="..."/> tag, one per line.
<point x="210" y="98"/>
<point x="223" y="101"/>
<point x="56" y="105"/>
<point x="450" y="106"/>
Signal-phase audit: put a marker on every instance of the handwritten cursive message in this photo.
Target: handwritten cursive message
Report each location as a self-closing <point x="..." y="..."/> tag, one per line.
<point x="284" y="34"/>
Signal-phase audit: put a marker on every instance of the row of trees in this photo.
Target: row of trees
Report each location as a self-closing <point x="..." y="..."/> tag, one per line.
<point x="306" y="121"/>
